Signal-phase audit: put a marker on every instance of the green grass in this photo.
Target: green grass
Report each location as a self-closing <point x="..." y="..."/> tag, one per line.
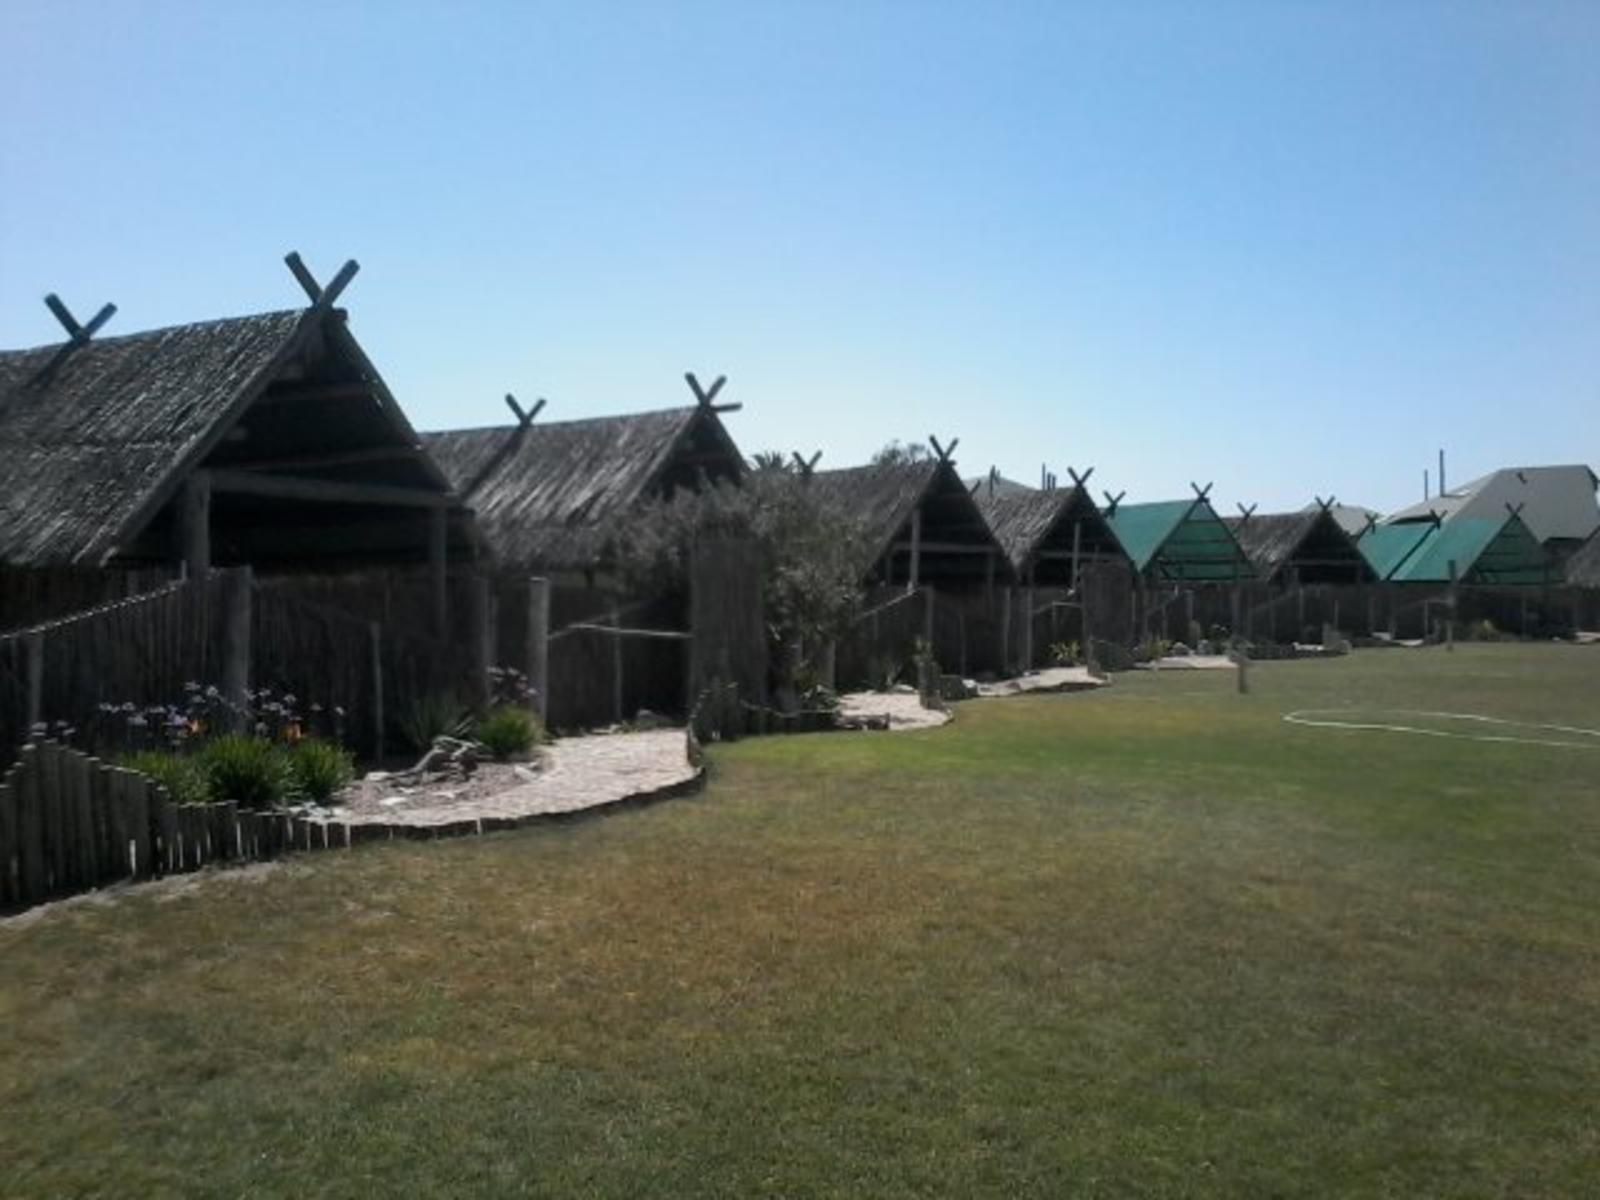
<point x="1152" y="942"/>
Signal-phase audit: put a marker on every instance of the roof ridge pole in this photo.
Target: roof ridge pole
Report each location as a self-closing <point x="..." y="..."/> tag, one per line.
<point x="77" y="335"/>
<point x="321" y="298"/>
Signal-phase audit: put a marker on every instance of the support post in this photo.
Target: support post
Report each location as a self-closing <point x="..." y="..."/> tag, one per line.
<point x="238" y="597"/>
<point x="481" y="632"/>
<point x="1450" y="609"/>
<point x="195" y="525"/>
<point x="539" y="645"/>
<point x="35" y="663"/>
<point x="375" y="651"/>
<point x="927" y="617"/>
<point x="1005" y="631"/>
<point x="438" y="566"/>
<point x="916" y="550"/>
<point x="1077" y="543"/>
<point x="1027" y="627"/>
<point x="616" y="665"/>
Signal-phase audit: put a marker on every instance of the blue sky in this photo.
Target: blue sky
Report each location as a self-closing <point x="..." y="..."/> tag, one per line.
<point x="1292" y="248"/>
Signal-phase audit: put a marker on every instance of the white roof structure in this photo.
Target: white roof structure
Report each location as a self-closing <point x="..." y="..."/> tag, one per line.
<point x="1555" y="502"/>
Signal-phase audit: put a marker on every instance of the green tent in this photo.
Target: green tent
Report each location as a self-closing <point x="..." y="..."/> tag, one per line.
<point x="1484" y="551"/>
<point x="1179" y="541"/>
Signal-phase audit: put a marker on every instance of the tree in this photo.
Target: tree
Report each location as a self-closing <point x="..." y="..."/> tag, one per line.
<point x="811" y="556"/>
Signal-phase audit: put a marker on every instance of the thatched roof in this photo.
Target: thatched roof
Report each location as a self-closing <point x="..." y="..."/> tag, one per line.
<point x="1036" y="527"/>
<point x="82" y="450"/>
<point x="1311" y="542"/>
<point x="1583" y="568"/>
<point x="882" y="498"/>
<point x="96" y="438"/>
<point x="550" y="495"/>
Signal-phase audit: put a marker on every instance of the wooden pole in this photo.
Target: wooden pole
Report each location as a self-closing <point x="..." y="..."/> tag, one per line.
<point x="238" y="594"/>
<point x="1027" y="626"/>
<point x="1077" y="543"/>
<point x="35" y="664"/>
<point x="438" y="567"/>
<point x="616" y="665"/>
<point x="195" y="525"/>
<point x="1005" y="631"/>
<point x="481" y="634"/>
<point x="916" y="550"/>
<point x="375" y="653"/>
<point x="539" y="645"/>
<point x="927" y="617"/>
<point x="1450" y="609"/>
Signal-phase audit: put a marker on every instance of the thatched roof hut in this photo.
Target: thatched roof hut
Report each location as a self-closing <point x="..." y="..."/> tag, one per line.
<point x="922" y="524"/>
<point x="550" y="496"/>
<point x="267" y="439"/>
<point x="1310" y="546"/>
<point x="1583" y="568"/>
<point x="1046" y="534"/>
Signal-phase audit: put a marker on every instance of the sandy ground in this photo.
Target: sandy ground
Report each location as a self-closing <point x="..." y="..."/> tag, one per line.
<point x="904" y="710"/>
<point x="577" y="773"/>
<point x="1051" y="679"/>
<point x="1191" y="662"/>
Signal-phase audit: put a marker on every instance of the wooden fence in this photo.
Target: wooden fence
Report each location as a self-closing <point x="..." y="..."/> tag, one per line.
<point x="70" y="823"/>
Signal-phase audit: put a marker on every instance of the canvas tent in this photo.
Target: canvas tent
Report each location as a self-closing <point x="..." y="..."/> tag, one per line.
<point x="1179" y="541"/>
<point x="1472" y="550"/>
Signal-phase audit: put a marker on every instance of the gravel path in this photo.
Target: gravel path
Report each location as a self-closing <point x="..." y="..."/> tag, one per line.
<point x="579" y="773"/>
<point x="904" y="711"/>
<point x="1051" y="679"/>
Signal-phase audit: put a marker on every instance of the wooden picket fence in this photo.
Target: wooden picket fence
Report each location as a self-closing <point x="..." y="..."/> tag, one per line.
<point x="70" y="823"/>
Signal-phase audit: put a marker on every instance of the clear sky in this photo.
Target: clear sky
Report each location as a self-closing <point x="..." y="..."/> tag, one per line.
<point x="1289" y="247"/>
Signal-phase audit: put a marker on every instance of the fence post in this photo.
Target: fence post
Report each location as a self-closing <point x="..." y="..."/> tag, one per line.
<point x="238" y="596"/>
<point x="35" y="664"/>
<point x="539" y="645"/>
<point x="375" y="649"/>
<point x="616" y="664"/>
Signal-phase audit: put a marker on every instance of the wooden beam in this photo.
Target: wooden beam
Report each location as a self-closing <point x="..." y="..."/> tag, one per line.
<point x="326" y="491"/>
<point x="939" y="548"/>
<point x="319" y="393"/>
<point x="337" y="458"/>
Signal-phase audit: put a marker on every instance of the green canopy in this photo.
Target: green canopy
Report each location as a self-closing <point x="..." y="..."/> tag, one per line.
<point x="1388" y="547"/>
<point x="1484" y="551"/>
<point x="1179" y="541"/>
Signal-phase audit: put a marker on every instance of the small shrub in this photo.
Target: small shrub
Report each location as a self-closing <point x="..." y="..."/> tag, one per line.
<point x="251" y="771"/>
<point x="425" y="718"/>
<point x="1065" y="654"/>
<point x="509" y="730"/>
<point x="319" y="769"/>
<point x="179" y="774"/>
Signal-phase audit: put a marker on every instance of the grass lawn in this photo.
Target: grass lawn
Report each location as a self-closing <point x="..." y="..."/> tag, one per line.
<point x="1151" y="942"/>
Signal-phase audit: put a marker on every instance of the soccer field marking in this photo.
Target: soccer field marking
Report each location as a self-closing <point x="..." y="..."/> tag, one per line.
<point x="1340" y="718"/>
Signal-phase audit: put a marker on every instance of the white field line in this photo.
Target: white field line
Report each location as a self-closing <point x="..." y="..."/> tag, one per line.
<point x="1317" y="718"/>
